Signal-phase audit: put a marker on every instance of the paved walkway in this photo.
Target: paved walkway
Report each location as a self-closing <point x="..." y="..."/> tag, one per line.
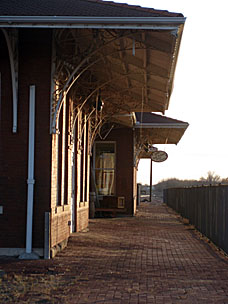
<point x="151" y="258"/>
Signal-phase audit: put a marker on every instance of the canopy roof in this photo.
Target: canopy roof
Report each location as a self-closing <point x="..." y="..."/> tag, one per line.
<point x="125" y="54"/>
<point x="148" y="120"/>
<point x="157" y="129"/>
<point x="96" y="8"/>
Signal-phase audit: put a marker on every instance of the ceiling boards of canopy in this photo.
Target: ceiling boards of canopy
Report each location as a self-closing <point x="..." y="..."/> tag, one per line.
<point x="130" y="70"/>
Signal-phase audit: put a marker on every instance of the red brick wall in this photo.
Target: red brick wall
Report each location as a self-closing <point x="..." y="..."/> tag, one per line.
<point x="34" y="68"/>
<point x="124" y="165"/>
<point x="61" y="215"/>
<point x="82" y="218"/>
<point x="82" y="205"/>
<point x="60" y="185"/>
<point x="9" y="197"/>
<point x="60" y="226"/>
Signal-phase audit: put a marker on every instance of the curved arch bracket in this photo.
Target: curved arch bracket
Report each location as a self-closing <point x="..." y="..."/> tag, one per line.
<point x="69" y="73"/>
<point x="11" y="36"/>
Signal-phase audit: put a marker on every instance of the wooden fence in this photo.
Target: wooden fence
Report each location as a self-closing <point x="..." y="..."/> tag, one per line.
<point x="205" y="207"/>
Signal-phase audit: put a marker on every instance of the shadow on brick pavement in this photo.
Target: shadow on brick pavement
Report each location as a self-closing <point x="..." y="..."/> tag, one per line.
<point x="150" y="258"/>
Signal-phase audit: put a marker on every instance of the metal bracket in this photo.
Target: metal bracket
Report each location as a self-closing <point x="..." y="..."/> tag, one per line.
<point x="66" y="70"/>
<point x="11" y="36"/>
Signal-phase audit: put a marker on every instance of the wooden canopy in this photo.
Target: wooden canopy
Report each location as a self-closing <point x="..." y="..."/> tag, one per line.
<point x="122" y="55"/>
<point x="153" y="129"/>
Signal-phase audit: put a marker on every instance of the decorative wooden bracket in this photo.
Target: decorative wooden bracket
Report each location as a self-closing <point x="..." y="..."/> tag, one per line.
<point x="11" y="36"/>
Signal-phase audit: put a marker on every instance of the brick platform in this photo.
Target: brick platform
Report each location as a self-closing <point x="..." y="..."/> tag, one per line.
<point x="150" y="258"/>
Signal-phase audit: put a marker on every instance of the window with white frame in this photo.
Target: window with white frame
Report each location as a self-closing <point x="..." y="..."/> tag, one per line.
<point x="104" y="167"/>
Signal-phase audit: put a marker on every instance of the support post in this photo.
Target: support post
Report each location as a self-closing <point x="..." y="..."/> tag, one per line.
<point x="47" y="236"/>
<point x="30" y="181"/>
<point x="151" y="179"/>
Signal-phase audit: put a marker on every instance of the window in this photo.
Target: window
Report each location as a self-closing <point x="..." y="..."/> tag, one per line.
<point x="83" y="165"/>
<point x="60" y="158"/>
<point x="104" y="167"/>
<point x="62" y="161"/>
<point x="83" y="127"/>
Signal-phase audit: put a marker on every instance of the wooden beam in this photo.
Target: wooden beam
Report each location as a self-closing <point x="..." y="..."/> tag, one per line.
<point x="152" y="41"/>
<point x="138" y="63"/>
<point x="124" y="64"/>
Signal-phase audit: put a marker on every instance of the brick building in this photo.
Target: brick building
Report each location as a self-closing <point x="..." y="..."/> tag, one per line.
<point x="116" y="154"/>
<point x="72" y="72"/>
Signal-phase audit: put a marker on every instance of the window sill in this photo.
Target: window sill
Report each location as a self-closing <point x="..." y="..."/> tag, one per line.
<point x="62" y="208"/>
<point x="83" y="204"/>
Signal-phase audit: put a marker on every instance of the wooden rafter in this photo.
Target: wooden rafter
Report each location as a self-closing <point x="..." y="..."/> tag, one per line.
<point x="145" y="71"/>
<point x="94" y="60"/>
<point x="124" y="64"/>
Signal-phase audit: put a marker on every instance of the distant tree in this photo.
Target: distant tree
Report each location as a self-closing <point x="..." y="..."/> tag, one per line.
<point x="211" y="179"/>
<point x="225" y="181"/>
<point x="175" y="183"/>
<point x="172" y="183"/>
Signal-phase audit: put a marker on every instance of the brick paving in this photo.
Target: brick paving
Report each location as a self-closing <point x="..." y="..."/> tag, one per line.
<point x="150" y="258"/>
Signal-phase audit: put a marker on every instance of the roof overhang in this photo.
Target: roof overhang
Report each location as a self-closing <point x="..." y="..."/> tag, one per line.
<point x="162" y="134"/>
<point x="164" y="131"/>
<point x="92" y="22"/>
<point x="161" y="126"/>
<point x="132" y="70"/>
<point x="131" y="60"/>
<point x="127" y="120"/>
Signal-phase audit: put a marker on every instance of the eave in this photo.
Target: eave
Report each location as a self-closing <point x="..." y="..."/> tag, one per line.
<point x="92" y="22"/>
<point x="161" y="126"/>
<point x="156" y="129"/>
<point x="131" y="79"/>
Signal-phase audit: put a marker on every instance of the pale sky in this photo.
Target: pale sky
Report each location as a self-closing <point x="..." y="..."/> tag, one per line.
<point x="200" y="94"/>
